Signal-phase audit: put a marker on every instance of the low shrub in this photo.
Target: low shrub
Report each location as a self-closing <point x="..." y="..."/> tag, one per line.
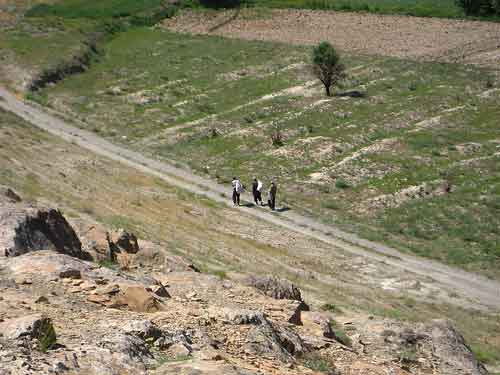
<point x="342" y="184"/>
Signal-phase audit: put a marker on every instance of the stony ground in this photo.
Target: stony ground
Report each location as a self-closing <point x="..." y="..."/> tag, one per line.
<point x="101" y="302"/>
<point x="398" y="36"/>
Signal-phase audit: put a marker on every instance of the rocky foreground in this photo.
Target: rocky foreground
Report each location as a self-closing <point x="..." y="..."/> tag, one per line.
<point x="78" y="299"/>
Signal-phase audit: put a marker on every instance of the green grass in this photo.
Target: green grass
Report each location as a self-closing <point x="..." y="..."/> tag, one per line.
<point x="330" y="307"/>
<point x="34" y="41"/>
<point x="319" y="363"/>
<point x="47" y="338"/>
<point x="422" y="8"/>
<point x="75" y="29"/>
<point x="340" y="334"/>
<point x="94" y="9"/>
<point x="108" y="264"/>
<point x="485" y="355"/>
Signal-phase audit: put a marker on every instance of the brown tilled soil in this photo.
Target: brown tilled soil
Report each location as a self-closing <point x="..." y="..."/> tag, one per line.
<point x="399" y="36"/>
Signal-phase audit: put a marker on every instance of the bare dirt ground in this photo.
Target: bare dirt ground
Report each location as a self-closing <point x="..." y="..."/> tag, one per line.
<point x="399" y="36"/>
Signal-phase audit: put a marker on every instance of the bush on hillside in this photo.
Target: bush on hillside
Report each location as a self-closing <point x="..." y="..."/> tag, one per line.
<point x="480" y="7"/>
<point x="223" y="3"/>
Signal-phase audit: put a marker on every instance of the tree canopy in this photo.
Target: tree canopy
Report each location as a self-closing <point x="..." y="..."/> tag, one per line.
<point x="327" y="66"/>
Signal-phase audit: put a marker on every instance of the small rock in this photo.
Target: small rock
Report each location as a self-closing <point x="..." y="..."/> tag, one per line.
<point x="70" y="274"/>
<point x="12" y="195"/>
<point x="179" y="350"/>
<point x="101" y="300"/>
<point x="101" y="281"/>
<point x="87" y="285"/>
<point x="23" y="280"/>
<point x="42" y="299"/>
<point x="468" y="148"/>
<point x="160" y="291"/>
<point x="109" y="289"/>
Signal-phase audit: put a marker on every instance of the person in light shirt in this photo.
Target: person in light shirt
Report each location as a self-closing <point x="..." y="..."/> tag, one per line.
<point x="237" y="190"/>
<point x="257" y="191"/>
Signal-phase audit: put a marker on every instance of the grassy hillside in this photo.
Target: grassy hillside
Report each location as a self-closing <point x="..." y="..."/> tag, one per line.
<point x="413" y="163"/>
<point x="54" y="36"/>
<point x="94" y="9"/>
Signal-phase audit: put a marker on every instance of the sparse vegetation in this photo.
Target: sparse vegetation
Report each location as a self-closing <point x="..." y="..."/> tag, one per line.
<point x="316" y="362"/>
<point x="341" y="184"/>
<point x="277" y="139"/>
<point x="47" y="338"/>
<point x="331" y="308"/>
<point x="340" y="334"/>
<point x="108" y="264"/>
<point x="408" y="355"/>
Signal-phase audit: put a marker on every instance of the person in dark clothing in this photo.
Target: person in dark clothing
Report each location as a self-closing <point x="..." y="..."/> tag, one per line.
<point x="272" y="196"/>
<point x="257" y="191"/>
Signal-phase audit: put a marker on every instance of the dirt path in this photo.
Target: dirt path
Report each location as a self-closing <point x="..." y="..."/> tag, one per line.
<point x="386" y="35"/>
<point x="485" y="292"/>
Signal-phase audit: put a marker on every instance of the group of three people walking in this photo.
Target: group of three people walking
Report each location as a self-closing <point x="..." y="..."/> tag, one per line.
<point x="257" y="187"/>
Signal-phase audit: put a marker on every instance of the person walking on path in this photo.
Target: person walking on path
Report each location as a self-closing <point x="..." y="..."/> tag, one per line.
<point x="272" y="196"/>
<point x="237" y="190"/>
<point x="257" y="191"/>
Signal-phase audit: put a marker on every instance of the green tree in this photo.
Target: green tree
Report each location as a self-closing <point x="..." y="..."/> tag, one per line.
<point x="479" y="7"/>
<point x="327" y="66"/>
<point x="496" y="6"/>
<point x="223" y="3"/>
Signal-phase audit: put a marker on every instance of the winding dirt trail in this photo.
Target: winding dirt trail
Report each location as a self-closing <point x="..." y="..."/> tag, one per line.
<point x="482" y="291"/>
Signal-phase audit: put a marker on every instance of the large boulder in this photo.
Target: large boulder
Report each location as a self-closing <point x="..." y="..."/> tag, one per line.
<point x="96" y="241"/>
<point x="449" y="346"/>
<point x="273" y="341"/>
<point x="144" y="329"/>
<point x="133" y="347"/>
<point x="30" y="326"/>
<point x="138" y="298"/>
<point x="123" y="241"/>
<point x="29" y="230"/>
<point x="277" y="288"/>
<point x="237" y="316"/>
<point x="47" y="265"/>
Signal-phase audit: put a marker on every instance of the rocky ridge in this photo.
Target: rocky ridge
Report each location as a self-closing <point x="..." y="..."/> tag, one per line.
<point x="79" y="299"/>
